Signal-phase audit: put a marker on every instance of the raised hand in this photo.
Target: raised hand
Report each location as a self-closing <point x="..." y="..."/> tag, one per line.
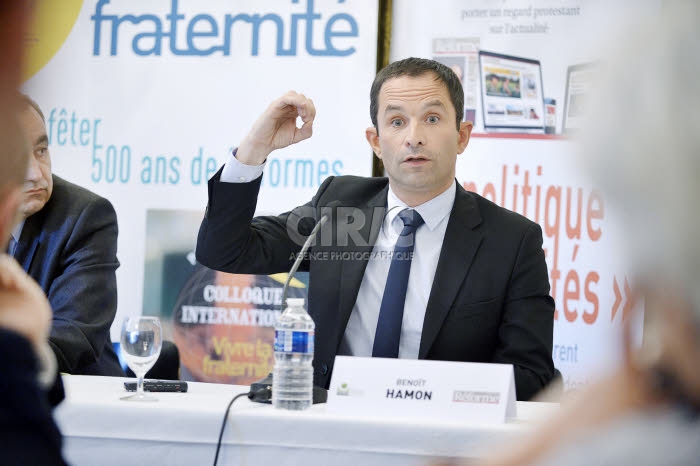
<point x="277" y="128"/>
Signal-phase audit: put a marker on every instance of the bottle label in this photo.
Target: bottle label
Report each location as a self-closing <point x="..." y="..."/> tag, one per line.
<point x="289" y="341"/>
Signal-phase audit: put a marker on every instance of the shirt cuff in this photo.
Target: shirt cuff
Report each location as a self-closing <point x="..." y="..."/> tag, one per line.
<point x="236" y="172"/>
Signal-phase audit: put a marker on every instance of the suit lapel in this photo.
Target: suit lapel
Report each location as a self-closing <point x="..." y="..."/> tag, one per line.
<point x="352" y="271"/>
<point x="458" y="250"/>
<point x="29" y="241"/>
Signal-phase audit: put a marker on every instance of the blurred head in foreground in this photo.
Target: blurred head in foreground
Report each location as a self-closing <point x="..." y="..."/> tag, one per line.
<point x="13" y="166"/>
<point x="13" y="153"/>
<point x="642" y="147"/>
<point x="643" y="144"/>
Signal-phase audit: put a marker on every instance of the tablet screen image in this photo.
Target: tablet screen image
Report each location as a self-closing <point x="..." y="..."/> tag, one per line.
<point x="511" y="93"/>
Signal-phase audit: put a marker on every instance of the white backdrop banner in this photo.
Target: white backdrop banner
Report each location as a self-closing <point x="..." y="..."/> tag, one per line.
<point x="145" y="99"/>
<point x="526" y="66"/>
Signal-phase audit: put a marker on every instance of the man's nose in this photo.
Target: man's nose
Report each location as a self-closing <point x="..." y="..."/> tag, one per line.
<point x="416" y="135"/>
<point x="33" y="169"/>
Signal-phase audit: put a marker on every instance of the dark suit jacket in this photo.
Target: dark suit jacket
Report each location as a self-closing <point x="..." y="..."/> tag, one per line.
<point x="28" y="434"/>
<point x="490" y="297"/>
<point x="70" y="248"/>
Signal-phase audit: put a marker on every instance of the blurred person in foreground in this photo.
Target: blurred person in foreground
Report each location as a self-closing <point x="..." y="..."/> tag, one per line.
<point x="67" y="242"/>
<point x="28" y="434"/>
<point x="643" y="146"/>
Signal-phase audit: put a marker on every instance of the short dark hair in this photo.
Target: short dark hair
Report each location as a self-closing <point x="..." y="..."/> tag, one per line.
<point x="416" y="67"/>
<point x="29" y="101"/>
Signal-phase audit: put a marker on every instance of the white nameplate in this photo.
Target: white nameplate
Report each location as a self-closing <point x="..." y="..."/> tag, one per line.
<point x="411" y="388"/>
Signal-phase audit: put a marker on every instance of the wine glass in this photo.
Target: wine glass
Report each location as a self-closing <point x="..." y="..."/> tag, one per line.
<point x="141" y="340"/>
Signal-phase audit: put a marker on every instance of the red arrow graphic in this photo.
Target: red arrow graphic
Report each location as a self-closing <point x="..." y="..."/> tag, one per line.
<point x="627" y="309"/>
<point x="629" y="302"/>
<point x="618" y="299"/>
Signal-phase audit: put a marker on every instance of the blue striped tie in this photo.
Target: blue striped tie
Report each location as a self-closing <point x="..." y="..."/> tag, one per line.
<point x="386" y="339"/>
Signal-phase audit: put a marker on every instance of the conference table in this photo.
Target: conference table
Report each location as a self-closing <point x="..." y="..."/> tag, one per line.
<point x="183" y="428"/>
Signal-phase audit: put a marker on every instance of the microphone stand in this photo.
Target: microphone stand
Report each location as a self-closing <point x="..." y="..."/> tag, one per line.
<point x="320" y="395"/>
<point x="302" y="253"/>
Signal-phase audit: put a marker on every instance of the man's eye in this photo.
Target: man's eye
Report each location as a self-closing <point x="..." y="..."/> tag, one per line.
<point x="396" y="122"/>
<point x="42" y="151"/>
<point x="433" y="119"/>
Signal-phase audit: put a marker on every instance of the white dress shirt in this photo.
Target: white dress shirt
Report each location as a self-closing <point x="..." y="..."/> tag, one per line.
<point x="358" y="339"/>
<point x="236" y="172"/>
<point x="362" y="325"/>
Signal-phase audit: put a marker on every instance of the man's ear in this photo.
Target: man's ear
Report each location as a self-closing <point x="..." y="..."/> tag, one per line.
<point x="465" y="131"/>
<point x="10" y="200"/>
<point x="373" y="138"/>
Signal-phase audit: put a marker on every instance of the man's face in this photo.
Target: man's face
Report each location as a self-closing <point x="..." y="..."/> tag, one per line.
<point x="38" y="184"/>
<point x="417" y="138"/>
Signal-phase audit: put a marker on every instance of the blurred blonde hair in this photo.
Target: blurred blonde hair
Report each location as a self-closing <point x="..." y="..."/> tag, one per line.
<point x="642" y="144"/>
<point x="13" y="148"/>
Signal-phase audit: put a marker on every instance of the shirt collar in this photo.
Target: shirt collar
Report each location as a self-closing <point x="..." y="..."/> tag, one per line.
<point x="433" y="211"/>
<point x="17" y="232"/>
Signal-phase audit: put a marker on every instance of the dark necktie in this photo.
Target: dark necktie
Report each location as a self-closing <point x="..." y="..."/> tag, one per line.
<point x="386" y="339"/>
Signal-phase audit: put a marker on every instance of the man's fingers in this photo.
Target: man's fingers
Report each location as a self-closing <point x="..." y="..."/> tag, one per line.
<point x="10" y="272"/>
<point x="297" y="105"/>
<point x="307" y="113"/>
<point x="304" y="132"/>
<point x="290" y="99"/>
<point x="277" y="127"/>
<point x="294" y="105"/>
<point x="306" y="109"/>
<point x="23" y="305"/>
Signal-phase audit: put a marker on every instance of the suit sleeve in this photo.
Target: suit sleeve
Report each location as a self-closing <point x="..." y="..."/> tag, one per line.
<point x="84" y="295"/>
<point x="525" y="334"/>
<point x="232" y="240"/>
<point x="29" y="434"/>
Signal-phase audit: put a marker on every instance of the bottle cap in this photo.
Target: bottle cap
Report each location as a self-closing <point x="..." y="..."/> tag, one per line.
<point x="295" y="302"/>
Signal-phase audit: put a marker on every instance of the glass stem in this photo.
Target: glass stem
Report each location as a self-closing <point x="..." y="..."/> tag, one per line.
<point x="139" y="384"/>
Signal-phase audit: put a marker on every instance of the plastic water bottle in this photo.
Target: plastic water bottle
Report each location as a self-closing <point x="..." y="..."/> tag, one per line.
<point x="293" y="374"/>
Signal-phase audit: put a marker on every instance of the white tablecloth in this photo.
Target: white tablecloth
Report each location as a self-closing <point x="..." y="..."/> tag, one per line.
<point x="183" y="428"/>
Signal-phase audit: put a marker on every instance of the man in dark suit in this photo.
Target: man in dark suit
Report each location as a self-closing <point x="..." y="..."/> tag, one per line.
<point x="67" y="242"/>
<point x="477" y="289"/>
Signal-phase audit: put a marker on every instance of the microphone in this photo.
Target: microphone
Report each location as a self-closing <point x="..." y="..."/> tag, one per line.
<point x="324" y="218"/>
<point x="263" y="387"/>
